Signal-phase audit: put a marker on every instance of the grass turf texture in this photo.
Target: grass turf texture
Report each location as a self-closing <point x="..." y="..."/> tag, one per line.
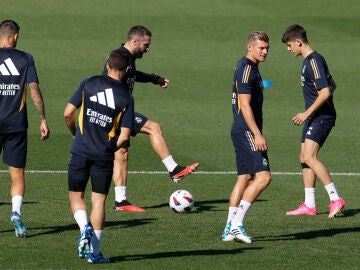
<point x="196" y="45"/>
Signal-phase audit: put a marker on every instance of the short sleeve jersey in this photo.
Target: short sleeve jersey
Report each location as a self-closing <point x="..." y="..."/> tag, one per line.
<point x="315" y="76"/>
<point x="247" y="80"/>
<point x="106" y="105"/>
<point x="17" y="70"/>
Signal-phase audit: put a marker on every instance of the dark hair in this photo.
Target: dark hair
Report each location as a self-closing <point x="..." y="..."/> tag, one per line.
<point x="293" y="32"/>
<point x="10" y="26"/>
<point x="139" y="31"/>
<point x="118" y="60"/>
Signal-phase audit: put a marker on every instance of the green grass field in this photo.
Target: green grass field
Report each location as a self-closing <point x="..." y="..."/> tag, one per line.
<point x="196" y="45"/>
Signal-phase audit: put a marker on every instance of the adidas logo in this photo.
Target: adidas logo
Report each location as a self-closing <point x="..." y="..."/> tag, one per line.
<point x="8" y="68"/>
<point x="105" y="98"/>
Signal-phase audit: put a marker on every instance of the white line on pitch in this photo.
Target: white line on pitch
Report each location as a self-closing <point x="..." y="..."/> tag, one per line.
<point x="197" y="172"/>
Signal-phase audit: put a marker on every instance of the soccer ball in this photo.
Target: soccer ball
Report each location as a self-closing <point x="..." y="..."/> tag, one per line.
<point x="181" y="201"/>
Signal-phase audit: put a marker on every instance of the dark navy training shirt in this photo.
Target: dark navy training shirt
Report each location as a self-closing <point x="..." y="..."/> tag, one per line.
<point x="17" y="69"/>
<point x="106" y="105"/>
<point x="315" y="76"/>
<point x="247" y="80"/>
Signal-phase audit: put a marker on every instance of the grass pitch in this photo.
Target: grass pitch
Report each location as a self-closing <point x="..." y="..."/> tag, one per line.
<point x="196" y="45"/>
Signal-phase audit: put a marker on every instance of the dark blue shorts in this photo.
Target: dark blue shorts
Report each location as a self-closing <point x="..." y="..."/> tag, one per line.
<point x="139" y="122"/>
<point x="248" y="159"/>
<point x="317" y="130"/>
<point x="80" y="169"/>
<point x="14" y="147"/>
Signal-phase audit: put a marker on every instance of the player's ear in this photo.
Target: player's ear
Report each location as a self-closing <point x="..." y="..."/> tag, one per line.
<point x="107" y="66"/>
<point x="299" y="42"/>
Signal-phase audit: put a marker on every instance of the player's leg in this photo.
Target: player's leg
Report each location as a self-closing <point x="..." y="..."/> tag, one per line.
<point x="97" y="219"/>
<point x="238" y="190"/>
<point x="234" y="201"/>
<point x="17" y="195"/>
<point x="249" y="162"/>
<point x="78" y="175"/>
<point x="15" y="151"/>
<point x="120" y="173"/>
<point x="308" y="207"/>
<point x="160" y="147"/>
<point x="101" y="175"/>
<point x="311" y="149"/>
<point x="253" y="190"/>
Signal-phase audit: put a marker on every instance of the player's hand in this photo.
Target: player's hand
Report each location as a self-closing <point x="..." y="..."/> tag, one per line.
<point x="165" y="83"/>
<point x="44" y="130"/>
<point x="260" y="143"/>
<point x="299" y="119"/>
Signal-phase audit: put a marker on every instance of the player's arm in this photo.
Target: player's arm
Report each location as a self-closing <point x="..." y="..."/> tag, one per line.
<point x="69" y="115"/>
<point x="323" y="96"/>
<point x="155" y="79"/>
<point x="124" y="137"/>
<point x="127" y="123"/>
<point x="245" y="101"/>
<point x="38" y="101"/>
<point x="332" y="85"/>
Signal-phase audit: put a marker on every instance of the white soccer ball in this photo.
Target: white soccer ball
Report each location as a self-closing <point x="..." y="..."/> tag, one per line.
<point x="181" y="201"/>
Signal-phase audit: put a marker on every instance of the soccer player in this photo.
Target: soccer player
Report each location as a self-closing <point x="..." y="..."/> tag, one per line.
<point x="318" y="120"/>
<point x="138" y="43"/>
<point x="17" y="72"/>
<point x="250" y="145"/>
<point x="106" y="105"/>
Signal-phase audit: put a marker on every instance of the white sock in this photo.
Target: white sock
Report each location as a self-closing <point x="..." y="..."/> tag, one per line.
<point x="95" y="242"/>
<point x="238" y="219"/>
<point x="169" y="163"/>
<point x="331" y="190"/>
<point x="81" y="219"/>
<point x="16" y="202"/>
<point x="310" y="197"/>
<point x="232" y="213"/>
<point x="120" y="193"/>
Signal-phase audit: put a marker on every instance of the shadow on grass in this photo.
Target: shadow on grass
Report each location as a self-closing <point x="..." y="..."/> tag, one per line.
<point x="74" y="227"/>
<point x="308" y="234"/>
<point x="350" y="212"/>
<point x="9" y="203"/>
<point x="201" y="206"/>
<point x="183" y="253"/>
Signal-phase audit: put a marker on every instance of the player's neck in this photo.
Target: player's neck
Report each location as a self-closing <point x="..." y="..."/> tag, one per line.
<point x="8" y="42"/>
<point x="5" y="44"/>
<point x="306" y="51"/>
<point x="129" y="47"/>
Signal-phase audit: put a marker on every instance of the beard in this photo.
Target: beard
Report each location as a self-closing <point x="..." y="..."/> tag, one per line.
<point x="138" y="53"/>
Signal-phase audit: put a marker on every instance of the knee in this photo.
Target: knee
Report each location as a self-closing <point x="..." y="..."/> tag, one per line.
<point x="307" y="160"/>
<point x="122" y="155"/>
<point x="155" y="128"/>
<point x="267" y="180"/>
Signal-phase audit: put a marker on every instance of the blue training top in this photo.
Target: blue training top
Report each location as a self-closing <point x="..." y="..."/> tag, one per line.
<point x="247" y="80"/>
<point x="315" y="76"/>
<point x="17" y="69"/>
<point x="106" y="105"/>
